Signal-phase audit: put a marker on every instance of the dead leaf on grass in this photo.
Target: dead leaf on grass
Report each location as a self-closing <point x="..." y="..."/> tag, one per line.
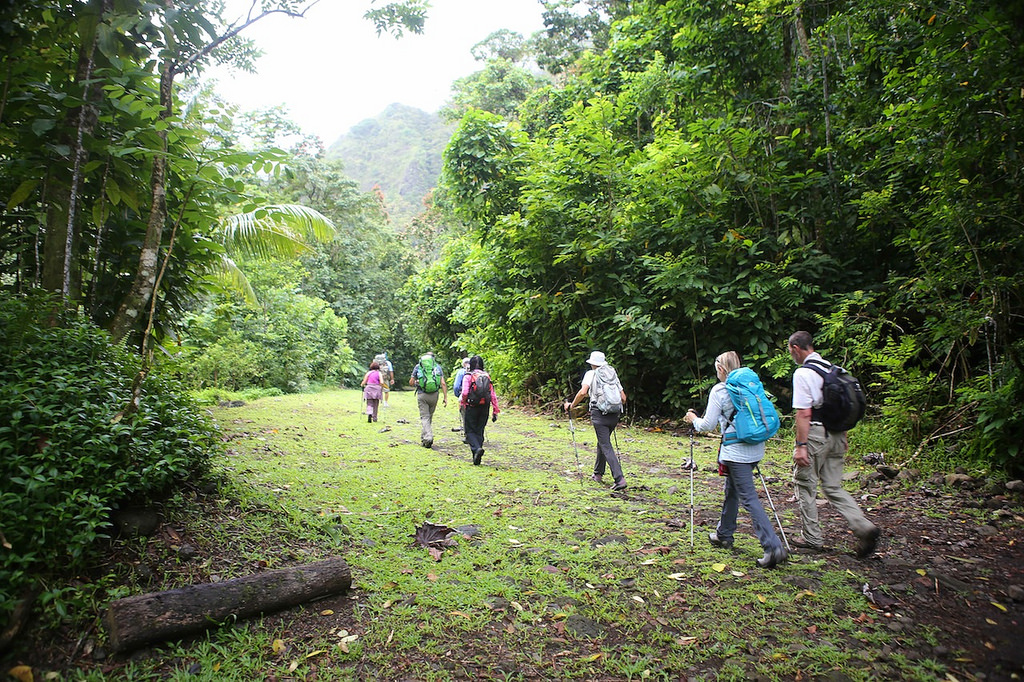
<point x="661" y="549"/>
<point x="22" y="673"/>
<point x="433" y="535"/>
<point x="718" y="567"/>
<point x="278" y="646"/>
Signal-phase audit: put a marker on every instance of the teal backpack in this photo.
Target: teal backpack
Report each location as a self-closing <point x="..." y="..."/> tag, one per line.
<point x="755" y="419"/>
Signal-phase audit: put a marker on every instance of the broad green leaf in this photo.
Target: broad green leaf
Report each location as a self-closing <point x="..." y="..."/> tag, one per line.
<point x="22" y="192"/>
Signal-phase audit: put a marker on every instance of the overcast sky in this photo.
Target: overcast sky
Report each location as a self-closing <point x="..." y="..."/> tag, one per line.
<point x="331" y="70"/>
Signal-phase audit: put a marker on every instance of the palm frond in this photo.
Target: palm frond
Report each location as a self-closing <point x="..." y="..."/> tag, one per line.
<point x="277" y="230"/>
<point x="230" y="276"/>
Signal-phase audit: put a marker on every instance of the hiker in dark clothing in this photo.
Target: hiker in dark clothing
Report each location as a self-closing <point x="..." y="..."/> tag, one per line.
<point x="477" y="400"/>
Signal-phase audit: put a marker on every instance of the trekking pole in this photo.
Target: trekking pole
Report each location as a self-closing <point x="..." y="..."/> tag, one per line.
<point x="572" y="431"/>
<point x="772" y="505"/>
<point x="690" y="466"/>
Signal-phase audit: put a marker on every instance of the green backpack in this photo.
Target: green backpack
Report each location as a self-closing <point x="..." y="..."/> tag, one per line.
<point x="429" y="379"/>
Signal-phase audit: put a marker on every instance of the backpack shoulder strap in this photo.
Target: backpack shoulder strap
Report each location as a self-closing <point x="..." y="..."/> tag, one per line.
<point x="819" y="367"/>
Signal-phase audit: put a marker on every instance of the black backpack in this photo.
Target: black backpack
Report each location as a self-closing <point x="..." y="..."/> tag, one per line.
<point x="843" y="402"/>
<point x="479" y="392"/>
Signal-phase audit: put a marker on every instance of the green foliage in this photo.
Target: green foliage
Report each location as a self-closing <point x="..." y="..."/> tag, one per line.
<point x="286" y="343"/>
<point x="68" y="452"/>
<point x="499" y="88"/>
<point x="479" y="177"/>
<point x="1000" y="423"/>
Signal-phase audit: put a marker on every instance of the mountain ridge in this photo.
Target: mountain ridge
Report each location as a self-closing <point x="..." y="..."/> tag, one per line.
<point x="399" y="151"/>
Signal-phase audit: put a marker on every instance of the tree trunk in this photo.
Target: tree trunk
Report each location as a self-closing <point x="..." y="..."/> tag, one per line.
<point x="145" y="618"/>
<point x="134" y="304"/>
<point x="62" y="198"/>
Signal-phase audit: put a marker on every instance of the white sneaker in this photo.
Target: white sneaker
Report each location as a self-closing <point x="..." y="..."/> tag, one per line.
<point x="385" y="403"/>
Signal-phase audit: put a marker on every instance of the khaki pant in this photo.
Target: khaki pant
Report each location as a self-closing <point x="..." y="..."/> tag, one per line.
<point x="826" y="452"/>
<point x="427" y="402"/>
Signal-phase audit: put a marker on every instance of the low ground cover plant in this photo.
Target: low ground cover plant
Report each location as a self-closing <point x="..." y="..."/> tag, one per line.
<point x="70" y="453"/>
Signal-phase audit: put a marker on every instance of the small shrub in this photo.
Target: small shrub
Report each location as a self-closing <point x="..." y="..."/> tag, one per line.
<point x="67" y="455"/>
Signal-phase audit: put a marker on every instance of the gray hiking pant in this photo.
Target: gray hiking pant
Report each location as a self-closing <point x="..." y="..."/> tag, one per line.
<point x="604" y="424"/>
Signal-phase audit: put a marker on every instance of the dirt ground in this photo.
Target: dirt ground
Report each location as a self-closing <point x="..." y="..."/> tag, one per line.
<point x="950" y="559"/>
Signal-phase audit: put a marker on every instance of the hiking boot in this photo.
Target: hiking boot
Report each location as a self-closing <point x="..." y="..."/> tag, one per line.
<point x="619" y="484"/>
<point x="867" y="543"/>
<point x="724" y="543"/>
<point x="596" y="478"/>
<point x="369" y="419"/>
<point x="477" y="456"/>
<point x="802" y="543"/>
<point x="773" y="557"/>
<point x="428" y="443"/>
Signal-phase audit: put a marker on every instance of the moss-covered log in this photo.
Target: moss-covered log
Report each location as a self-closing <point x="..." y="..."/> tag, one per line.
<point x="147" y="618"/>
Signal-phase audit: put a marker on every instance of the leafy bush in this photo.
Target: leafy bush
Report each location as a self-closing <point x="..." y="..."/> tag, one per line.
<point x="287" y="343"/>
<point x="215" y="396"/>
<point x="1000" y="422"/>
<point x="67" y="454"/>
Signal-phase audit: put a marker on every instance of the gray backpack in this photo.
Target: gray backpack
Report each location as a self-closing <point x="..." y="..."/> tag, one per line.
<point x="604" y="394"/>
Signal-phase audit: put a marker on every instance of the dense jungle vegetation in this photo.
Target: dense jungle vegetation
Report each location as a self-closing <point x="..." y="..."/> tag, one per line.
<point x="663" y="180"/>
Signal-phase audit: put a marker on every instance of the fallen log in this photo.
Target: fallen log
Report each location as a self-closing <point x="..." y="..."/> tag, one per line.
<point x="146" y="618"/>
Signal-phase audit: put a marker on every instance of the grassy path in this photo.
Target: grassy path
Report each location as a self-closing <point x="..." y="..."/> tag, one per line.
<point x="550" y="577"/>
